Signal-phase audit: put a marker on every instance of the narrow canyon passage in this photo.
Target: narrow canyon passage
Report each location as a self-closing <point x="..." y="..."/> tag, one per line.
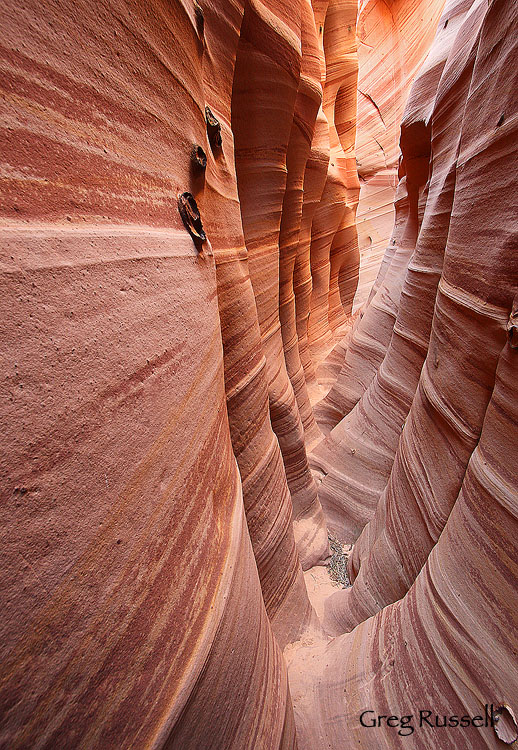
<point x="259" y="274"/>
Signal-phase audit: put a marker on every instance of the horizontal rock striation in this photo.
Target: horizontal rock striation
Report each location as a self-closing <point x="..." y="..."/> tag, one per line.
<point x="127" y="551"/>
<point x="399" y="375"/>
<point x="357" y="457"/>
<point x="442" y="546"/>
<point x="393" y="40"/>
<point x="208" y="374"/>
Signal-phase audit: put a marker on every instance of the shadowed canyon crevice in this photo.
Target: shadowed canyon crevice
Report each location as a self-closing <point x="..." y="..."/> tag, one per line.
<point x="259" y="333"/>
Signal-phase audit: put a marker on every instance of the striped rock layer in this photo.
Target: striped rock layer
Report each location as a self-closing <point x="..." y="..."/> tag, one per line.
<point x="180" y="262"/>
<point x="432" y="611"/>
<point x="357" y="456"/>
<point x="391" y="46"/>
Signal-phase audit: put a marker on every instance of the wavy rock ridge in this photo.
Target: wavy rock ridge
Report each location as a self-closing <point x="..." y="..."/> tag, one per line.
<point x="200" y="378"/>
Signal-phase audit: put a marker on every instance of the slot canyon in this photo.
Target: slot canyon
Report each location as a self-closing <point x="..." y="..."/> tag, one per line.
<point x="259" y="289"/>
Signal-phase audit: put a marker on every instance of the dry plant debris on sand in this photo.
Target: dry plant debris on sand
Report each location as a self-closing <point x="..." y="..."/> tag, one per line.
<point x="337" y="565"/>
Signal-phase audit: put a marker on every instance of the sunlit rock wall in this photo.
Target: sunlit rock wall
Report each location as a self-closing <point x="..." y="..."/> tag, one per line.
<point x="179" y="265"/>
<point x="432" y="612"/>
<point x="356" y="457"/>
<point x="151" y="506"/>
<point x="400" y="378"/>
<point x="141" y="569"/>
<point x="393" y="40"/>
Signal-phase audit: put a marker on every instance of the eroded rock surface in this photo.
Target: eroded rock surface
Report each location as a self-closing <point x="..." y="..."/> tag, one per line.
<point x="206" y="368"/>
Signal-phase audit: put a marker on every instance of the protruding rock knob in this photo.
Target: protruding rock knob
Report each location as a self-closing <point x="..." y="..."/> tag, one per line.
<point x="213" y="128"/>
<point x="190" y="214"/>
<point x="505" y="725"/>
<point x="198" y="157"/>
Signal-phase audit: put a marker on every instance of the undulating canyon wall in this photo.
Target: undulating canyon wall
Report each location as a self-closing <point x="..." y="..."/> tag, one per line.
<point x="391" y="45"/>
<point x="424" y="461"/>
<point x="127" y="554"/>
<point x="206" y="368"/>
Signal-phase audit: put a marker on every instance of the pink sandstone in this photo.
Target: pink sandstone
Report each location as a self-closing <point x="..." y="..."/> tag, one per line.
<point x="207" y="366"/>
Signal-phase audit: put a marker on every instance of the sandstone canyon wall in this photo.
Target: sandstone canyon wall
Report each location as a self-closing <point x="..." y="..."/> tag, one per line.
<point x="206" y="368"/>
<point x="391" y="42"/>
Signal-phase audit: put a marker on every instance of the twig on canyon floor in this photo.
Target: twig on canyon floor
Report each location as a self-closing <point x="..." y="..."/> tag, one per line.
<point x="337" y="565"/>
